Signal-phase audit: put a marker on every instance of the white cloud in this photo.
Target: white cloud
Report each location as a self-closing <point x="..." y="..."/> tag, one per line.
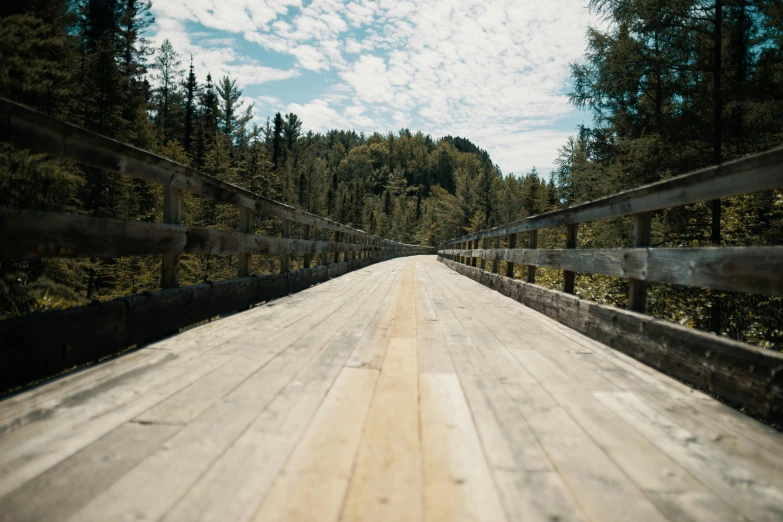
<point x="493" y="71"/>
<point x="216" y="58"/>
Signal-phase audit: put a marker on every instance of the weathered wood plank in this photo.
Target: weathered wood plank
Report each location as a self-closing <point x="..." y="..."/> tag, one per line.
<point x="41" y="345"/>
<point x="748" y="493"/>
<point x="637" y="293"/>
<point x="757" y="270"/>
<point x="313" y="483"/>
<point x="457" y="481"/>
<point x="67" y="487"/>
<point x="743" y="374"/>
<point x="386" y="481"/>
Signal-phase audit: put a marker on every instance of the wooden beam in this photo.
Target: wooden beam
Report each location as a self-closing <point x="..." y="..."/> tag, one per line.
<point x="532" y="244"/>
<point x="747" y="376"/>
<point x="44" y="344"/>
<point x="746" y="175"/>
<point x="511" y="242"/>
<point x="26" y="127"/>
<point x="172" y="214"/>
<point x="756" y="270"/>
<point x="484" y="245"/>
<point x="496" y="260"/>
<point x="637" y="293"/>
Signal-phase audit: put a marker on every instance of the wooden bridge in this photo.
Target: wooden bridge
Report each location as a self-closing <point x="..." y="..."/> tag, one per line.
<point x="400" y="390"/>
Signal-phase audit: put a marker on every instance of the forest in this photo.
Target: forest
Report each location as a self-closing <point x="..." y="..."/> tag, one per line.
<point x="671" y="86"/>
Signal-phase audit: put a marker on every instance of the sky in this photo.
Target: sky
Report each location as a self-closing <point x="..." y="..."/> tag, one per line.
<point x="493" y="71"/>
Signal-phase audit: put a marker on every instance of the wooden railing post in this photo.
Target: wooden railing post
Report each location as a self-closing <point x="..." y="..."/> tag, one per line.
<point x="496" y="261"/>
<point x="337" y="252"/>
<point x="568" y="276"/>
<point x="484" y="245"/>
<point x="532" y="245"/>
<point x="285" y="257"/>
<point x="172" y="214"/>
<point x="511" y="243"/>
<point x="245" y="220"/>
<point x="637" y="293"/>
<point x="307" y="257"/>
<point x="473" y="258"/>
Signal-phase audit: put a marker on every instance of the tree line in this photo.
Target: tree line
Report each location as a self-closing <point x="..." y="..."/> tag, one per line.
<point x="672" y="85"/>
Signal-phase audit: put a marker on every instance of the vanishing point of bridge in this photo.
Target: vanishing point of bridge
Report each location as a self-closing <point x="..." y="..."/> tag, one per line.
<point x="409" y="388"/>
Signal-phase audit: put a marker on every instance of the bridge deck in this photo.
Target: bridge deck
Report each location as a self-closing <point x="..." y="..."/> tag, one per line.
<point x="402" y="391"/>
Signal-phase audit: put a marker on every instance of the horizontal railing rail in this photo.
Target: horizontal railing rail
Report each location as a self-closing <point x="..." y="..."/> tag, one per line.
<point x="742" y="269"/>
<point x="42" y="344"/>
<point x="747" y="175"/>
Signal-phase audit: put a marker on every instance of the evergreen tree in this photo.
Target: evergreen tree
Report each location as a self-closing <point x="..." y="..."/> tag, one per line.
<point x="191" y="91"/>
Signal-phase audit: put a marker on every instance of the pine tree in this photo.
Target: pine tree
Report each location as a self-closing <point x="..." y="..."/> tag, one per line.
<point x="167" y="95"/>
<point x="191" y="91"/>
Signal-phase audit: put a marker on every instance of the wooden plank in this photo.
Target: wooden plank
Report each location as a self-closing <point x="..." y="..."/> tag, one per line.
<point x="285" y="395"/>
<point x="56" y="433"/>
<point x="744" y="374"/>
<point x="64" y="489"/>
<point x="313" y="482"/>
<point x="602" y="489"/>
<point x="371" y="350"/>
<point x="530" y="488"/>
<point x="746" y="175"/>
<point x="539" y="496"/>
<point x="434" y="356"/>
<point x="496" y="262"/>
<point x="41" y="345"/>
<point x="200" y="450"/>
<point x="386" y="481"/>
<point x="512" y="243"/>
<point x="637" y="458"/>
<point x="532" y="245"/>
<point x="738" y="486"/>
<point x="66" y="424"/>
<point x="637" y="293"/>
<point x="457" y="481"/>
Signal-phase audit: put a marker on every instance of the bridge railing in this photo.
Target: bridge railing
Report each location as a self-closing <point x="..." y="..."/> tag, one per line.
<point x="41" y="344"/>
<point x="738" y="372"/>
<point x="740" y="269"/>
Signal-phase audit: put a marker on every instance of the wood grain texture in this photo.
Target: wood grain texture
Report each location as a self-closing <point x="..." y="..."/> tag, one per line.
<point x="469" y="406"/>
<point x="745" y="375"/>
<point x="41" y="345"/>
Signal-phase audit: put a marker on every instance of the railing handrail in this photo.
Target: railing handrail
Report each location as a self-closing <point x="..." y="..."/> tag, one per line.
<point x="29" y="128"/>
<point x="754" y="173"/>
